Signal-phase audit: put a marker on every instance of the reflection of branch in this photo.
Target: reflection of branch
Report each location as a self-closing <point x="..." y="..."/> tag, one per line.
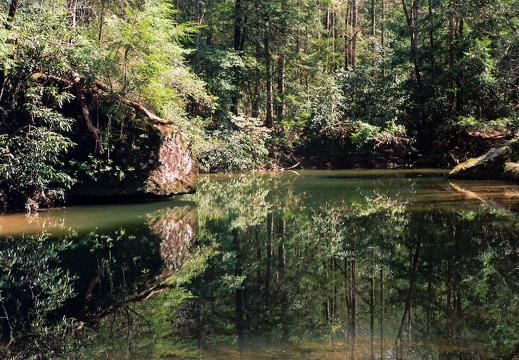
<point x="355" y="288"/>
<point x="11" y="340"/>
<point x="146" y="294"/>
<point x="412" y="285"/>
<point x="472" y="195"/>
<point x="469" y="194"/>
<point x="92" y="284"/>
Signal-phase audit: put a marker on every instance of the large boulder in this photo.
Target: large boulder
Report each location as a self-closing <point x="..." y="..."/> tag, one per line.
<point x="176" y="171"/>
<point x="488" y="166"/>
<point x="150" y="161"/>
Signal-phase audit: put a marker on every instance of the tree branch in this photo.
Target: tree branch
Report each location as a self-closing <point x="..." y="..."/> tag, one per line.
<point x="135" y="105"/>
<point x="105" y="89"/>
<point x="76" y="81"/>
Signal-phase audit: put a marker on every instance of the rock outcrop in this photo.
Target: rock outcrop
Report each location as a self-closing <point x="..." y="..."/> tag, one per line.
<point x="153" y="161"/>
<point x="511" y="171"/>
<point x="177" y="170"/>
<point x="490" y="166"/>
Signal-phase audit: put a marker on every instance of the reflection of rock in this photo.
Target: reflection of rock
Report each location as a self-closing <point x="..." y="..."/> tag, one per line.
<point x="177" y="228"/>
<point x="488" y="166"/>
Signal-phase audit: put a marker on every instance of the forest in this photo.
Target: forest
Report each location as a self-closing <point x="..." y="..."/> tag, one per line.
<point x="408" y="261"/>
<point x="254" y="84"/>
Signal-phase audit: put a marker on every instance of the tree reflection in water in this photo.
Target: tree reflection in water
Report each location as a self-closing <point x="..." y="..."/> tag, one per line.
<point x="402" y="267"/>
<point x="320" y="265"/>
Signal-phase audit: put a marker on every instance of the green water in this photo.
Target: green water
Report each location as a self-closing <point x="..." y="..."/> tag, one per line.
<point x="294" y="265"/>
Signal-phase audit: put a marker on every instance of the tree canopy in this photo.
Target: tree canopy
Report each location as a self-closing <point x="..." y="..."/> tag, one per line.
<point x="254" y="84"/>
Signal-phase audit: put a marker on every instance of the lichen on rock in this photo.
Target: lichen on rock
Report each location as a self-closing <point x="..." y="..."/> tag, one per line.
<point x="177" y="171"/>
<point x="486" y="167"/>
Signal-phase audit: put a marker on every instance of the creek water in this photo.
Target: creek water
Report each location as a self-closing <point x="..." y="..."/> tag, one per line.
<point x="357" y="264"/>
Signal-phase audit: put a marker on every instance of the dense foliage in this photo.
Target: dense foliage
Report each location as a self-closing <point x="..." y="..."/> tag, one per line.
<point x="255" y="84"/>
<point x="364" y="83"/>
<point x="74" y="76"/>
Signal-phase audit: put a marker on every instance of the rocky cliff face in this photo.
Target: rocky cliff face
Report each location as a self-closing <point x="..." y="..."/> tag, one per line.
<point x="146" y="161"/>
<point x="176" y="171"/>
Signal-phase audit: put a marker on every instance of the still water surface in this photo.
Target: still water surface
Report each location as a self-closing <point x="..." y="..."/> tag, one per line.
<point x="293" y="265"/>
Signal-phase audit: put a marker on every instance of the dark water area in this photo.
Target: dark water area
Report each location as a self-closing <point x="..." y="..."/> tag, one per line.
<point x="358" y="264"/>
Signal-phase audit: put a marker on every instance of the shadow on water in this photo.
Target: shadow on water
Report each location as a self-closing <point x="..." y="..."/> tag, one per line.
<point x="308" y="265"/>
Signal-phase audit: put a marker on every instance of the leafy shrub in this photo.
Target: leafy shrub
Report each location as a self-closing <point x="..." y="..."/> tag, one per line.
<point x="31" y="170"/>
<point x="229" y="150"/>
<point x="470" y="123"/>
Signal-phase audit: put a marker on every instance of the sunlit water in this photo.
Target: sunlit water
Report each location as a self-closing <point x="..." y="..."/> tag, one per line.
<point x="294" y="265"/>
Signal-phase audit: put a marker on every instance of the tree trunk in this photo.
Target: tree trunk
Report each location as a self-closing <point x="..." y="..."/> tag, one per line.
<point x="459" y="79"/>
<point x="8" y="24"/>
<point x="72" y="6"/>
<point x="13" y="6"/>
<point x="76" y="80"/>
<point x="452" y="82"/>
<point x="411" y="17"/>
<point x="238" y="47"/>
<point x="373" y="11"/>
<point x="354" y="24"/>
<point x="431" y="38"/>
<point x="281" y="65"/>
<point x="281" y="106"/>
<point x="198" y="19"/>
<point x="346" y="35"/>
<point x="268" y="72"/>
<point x="101" y="22"/>
<point x="255" y="111"/>
<point x="383" y="35"/>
